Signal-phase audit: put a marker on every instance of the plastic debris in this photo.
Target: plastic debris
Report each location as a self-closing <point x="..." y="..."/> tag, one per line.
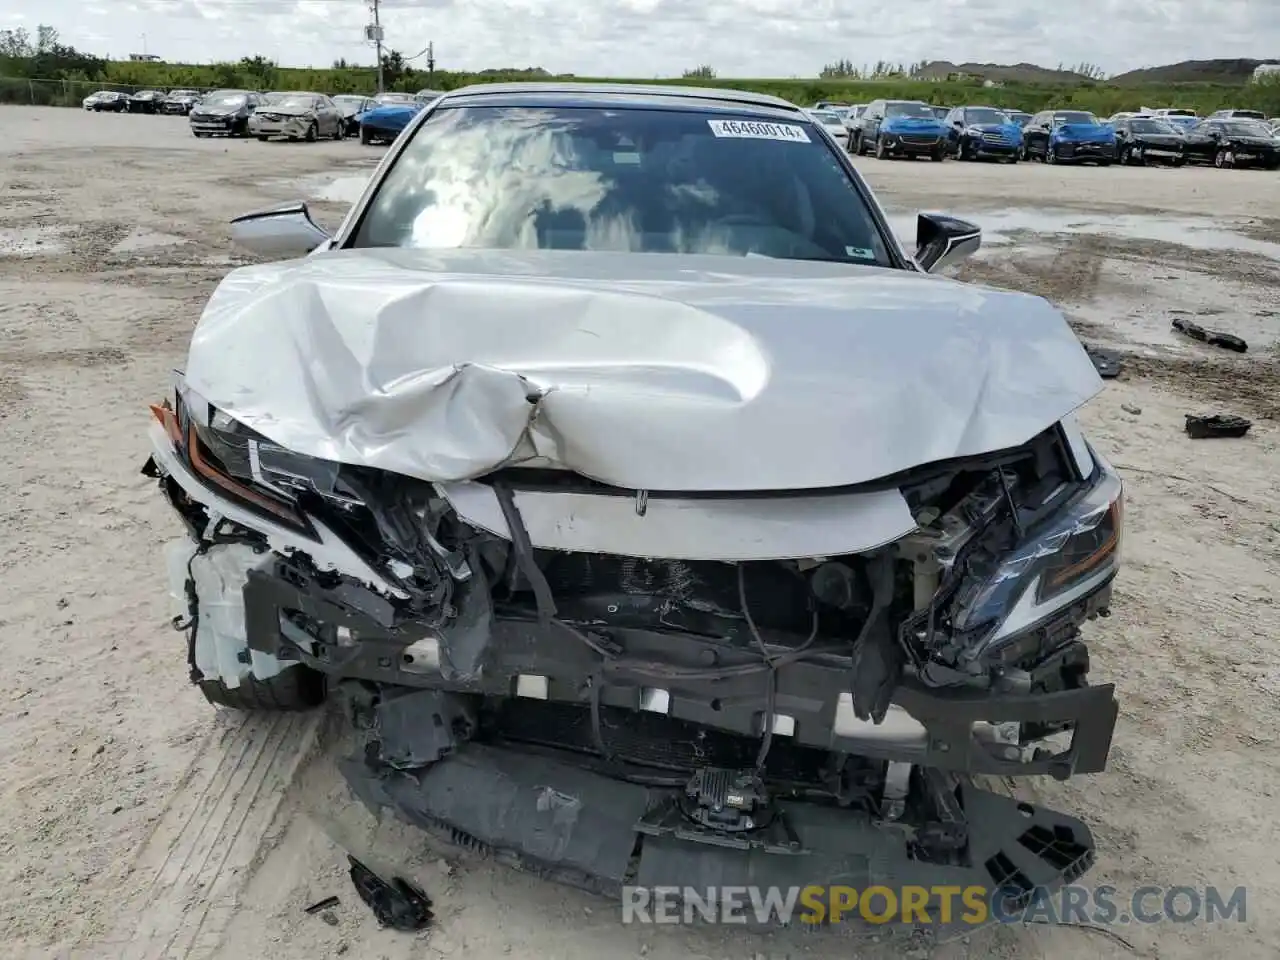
<point x="397" y="904"/>
<point x="1228" y="341"/>
<point x="1217" y="425"/>
<point x="320" y="905"/>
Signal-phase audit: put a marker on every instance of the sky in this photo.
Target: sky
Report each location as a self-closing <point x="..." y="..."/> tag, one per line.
<point x="649" y="38"/>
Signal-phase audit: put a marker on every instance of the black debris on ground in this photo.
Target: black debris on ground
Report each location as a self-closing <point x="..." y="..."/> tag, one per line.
<point x="397" y="904"/>
<point x="1201" y="427"/>
<point x="1215" y="338"/>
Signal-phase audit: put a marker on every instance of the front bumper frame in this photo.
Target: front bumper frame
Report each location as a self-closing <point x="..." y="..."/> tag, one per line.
<point x="942" y="722"/>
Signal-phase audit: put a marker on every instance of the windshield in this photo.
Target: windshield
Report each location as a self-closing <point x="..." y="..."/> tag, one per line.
<point x="1247" y="128"/>
<point x="1179" y="113"/>
<point x="295" y="103"/>
<point x="348" y="100"/>
<point x="183" y="93"/>
<point x="642" y="181"/>
<point x="1150" y="126"/>
<point x="826" y="116"/>
<point x="1248" y="115"/>
<point x="224" y="100"/>
<point x="1074" y="116"/>
<point x="395" y="98"/>
<point x="985" y="115"/>
<point x="908" y="110"/>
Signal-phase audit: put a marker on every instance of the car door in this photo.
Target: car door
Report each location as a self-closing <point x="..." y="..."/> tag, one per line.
<point x="326" y="117"/>
<point x="1199" y="142"/>
<point x="1036" y="134"/>
<point x="955" y="127"/>
<point x="871" y="122"/>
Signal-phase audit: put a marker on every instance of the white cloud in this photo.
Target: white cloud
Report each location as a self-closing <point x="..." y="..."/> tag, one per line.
<point x="645" y="38"/>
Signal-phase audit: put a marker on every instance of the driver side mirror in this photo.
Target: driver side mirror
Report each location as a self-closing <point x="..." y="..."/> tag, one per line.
<point x="943" y="241"/>
<point x="278" y="233"/>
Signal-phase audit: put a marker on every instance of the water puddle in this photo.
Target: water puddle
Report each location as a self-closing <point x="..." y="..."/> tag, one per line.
<point x="141" y="241"/>
<point x="1200" y="233"/>
<point x="32" y="241"/>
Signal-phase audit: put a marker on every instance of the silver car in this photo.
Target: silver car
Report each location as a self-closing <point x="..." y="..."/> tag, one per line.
<point x="298" y="116"/>
<point x="651" y="509"/>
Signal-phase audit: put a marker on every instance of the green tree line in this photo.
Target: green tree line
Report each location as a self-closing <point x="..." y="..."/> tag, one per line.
<point x="40" y="69"/>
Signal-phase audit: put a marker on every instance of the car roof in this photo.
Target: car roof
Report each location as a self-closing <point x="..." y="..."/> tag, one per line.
<point x="637" y="94"/>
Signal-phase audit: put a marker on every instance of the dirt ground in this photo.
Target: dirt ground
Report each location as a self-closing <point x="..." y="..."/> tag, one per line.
<point x="136" y="821"/>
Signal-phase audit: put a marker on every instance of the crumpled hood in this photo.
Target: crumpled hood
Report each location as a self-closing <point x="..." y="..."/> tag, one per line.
<point x="1084" y="131"/>
<point x="1010" y="130"/>
<point x="270" y="109"/>
<point x="913" y="125"/>
<point x="391" y="116"/>
<point x="647" y="371"/>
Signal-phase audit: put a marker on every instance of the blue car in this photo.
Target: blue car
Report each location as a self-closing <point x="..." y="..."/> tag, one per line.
<point x="391" y="115"/>
<point x="978" y="132"/>
<point x="1069" y="136"/>
<point x="901" y="128"/>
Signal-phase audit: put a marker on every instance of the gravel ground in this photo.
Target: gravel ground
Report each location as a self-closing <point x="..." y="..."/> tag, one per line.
<point x="136" y="821"/>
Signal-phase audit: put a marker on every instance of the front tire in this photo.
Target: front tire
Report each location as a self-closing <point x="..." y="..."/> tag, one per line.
<point x="859" y="147"/>
<point x="296" y="689"/>
<point x="365" y="139"/>
<point x="1220" y="160"/>
<point x="1050" y="154"/>
<point x="313" y="132"/>
<point x="881" y="152"/>
<point x="938" y="154"/>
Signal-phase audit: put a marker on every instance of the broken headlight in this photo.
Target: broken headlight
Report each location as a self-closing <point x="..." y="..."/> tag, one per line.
<point x="1062" y="560"/>
<point x="243" y="461"/>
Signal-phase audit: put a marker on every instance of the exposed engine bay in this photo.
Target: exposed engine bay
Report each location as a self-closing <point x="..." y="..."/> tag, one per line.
<point x="619" y="716"/>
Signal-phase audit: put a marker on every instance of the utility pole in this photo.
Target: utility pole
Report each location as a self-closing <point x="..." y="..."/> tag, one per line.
<point x="377" y="40"/>
<point x="431" y="61"/>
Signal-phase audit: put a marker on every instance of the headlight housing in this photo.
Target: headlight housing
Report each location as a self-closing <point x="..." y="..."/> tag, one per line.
<point x="1063" y="560"/>
<point x="241" y="462"/>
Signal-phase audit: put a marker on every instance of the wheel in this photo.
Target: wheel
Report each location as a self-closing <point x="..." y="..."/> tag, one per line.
<point x="313" y="132"/>
<point x="1177" y="162"/>
<point x="1012" y="159"/>
<point x="938" y="153"/>
<point x="199" y="133"/>
<point x="859" y="146"/>
<point x="297" y="688"/>
<point x="364" y="136"/>
<point x="1104" y="163"/>
<point x="1050" y="154"/>
<point x="881" y="152"/>
<point x="262" y="138"/>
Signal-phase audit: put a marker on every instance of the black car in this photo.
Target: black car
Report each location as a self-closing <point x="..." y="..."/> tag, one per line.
<point x="1233" y="143"/>
<point x="977" y="132"/>
<point x="352" y="105"/>
<point x="1140" y="140"/>
<point x="180" y="102"/>
<point x="145" y="101"/>
<point x="224" y="112"/>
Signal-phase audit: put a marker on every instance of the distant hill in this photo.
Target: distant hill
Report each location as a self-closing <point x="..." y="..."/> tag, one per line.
<point x="1194" y="71"/>
<point x="1018" y="72"/>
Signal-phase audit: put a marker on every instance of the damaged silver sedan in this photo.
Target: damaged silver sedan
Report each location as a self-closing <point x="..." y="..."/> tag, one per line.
<point x="653" y="515"/>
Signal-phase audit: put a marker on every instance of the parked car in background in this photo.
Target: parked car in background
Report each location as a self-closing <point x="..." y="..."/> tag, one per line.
<point x="225" y="113"/>
<point x="1274" y="123"/>
<point x="387" y="119"/>
<point x="1068" y="136"/>
<point x="1232" y="143"/>
<point x="828" y="105"/>
<point x="427" y="95"/>
<point x="831" y="121"/>
<point x="940" y="112"/>
<point x="112" y="101"/>
<point x="1142" y="139"/>
<point x="145" y="101"/>
<point x="901" y="128"/>
<point x="1019" y="117"/>
<point x="1166" y="113"/>
<point x="180" y="102"/>
<point x="852" y="123"/>
<point x="298" y="116"/>
<point x="271" y="96"/>
<point x="384" y="99"/>
<point x="977" y="132"/>
<point x="1237" y="115"/>
<point x="1180" y="122"/>
<point x="351" y="105"/>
